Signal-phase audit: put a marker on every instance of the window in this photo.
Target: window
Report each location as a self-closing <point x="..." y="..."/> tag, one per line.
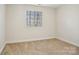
<point x="34" y="18"/>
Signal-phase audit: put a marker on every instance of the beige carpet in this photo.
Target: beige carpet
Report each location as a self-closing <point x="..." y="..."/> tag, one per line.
<point x="41" y="47"/>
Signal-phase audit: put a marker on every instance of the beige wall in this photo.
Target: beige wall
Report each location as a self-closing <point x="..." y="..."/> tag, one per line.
<point x="16" y="24"/>
<point x="2" y="27"/>
<point x="68" y="23"/>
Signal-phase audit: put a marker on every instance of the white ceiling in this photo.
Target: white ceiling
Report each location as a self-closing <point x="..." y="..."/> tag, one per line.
<point x="49" y="5"/>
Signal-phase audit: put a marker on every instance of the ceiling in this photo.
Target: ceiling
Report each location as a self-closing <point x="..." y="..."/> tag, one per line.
<point x="49" y="5"/>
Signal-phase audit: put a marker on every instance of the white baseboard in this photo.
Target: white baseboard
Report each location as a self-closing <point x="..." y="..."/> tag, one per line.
<point x="65" y="40"/>
<point x="2" y="48"/>
<point x="24" y="40"/>
<point x="45" y="38"/>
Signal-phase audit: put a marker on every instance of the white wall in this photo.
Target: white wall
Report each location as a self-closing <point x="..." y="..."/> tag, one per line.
<point x="2" y="27"/>
<point x="16" y="24"/>
<point x="64" y="21"/>
<point x="68" y="23"/>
